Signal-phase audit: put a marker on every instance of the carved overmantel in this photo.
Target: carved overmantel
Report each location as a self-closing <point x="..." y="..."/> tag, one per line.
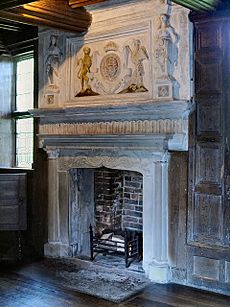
<point x="123" y="58"/>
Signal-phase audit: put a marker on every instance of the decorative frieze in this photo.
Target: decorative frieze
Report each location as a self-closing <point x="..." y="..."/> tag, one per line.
<point x="161" y="126"/>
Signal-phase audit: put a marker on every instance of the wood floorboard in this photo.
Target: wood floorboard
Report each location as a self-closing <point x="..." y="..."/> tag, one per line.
<point x="28" y="290"/>
<point x="191" y="295"/>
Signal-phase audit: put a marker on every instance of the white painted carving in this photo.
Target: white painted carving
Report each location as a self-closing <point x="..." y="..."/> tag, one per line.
<point x="166" y="48"/>
<point x="137" y="54"/>
<point x="52" y="63"/>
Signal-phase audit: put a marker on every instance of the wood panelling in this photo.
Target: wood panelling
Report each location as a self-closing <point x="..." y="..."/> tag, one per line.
<point x="209" y="114"/>
<point x="201" y="268"/>
<point x="178" y="188"/>
<point x="206" y="219"/>
<point x="209" y="159"/>
<point x="51" y="13"/>
<point x="208" y="207"/>
<point x="13" y="202"/>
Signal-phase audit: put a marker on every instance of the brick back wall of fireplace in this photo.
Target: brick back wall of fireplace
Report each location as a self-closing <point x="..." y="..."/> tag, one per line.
<point x="118" y="200"/>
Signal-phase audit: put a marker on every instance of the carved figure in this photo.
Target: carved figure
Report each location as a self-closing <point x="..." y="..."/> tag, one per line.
<point x="85" y="64"/>
<point x="53" y="60"/>
<point x="166" y="47"/>
<point x="138" y="54"/>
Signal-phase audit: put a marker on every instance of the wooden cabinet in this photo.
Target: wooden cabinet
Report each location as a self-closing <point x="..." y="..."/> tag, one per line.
<point x="13" y="202"/>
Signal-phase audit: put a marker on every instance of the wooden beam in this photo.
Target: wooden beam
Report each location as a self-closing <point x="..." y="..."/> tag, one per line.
<point x="7" y="4"/>
<point x="51" y="13"/>
<point x="78" y="3"/>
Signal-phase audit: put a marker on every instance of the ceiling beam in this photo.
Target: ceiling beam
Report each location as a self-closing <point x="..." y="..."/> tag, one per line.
<point x="199" y="5"/>
<point x="7" y="4"/>
<point x="79" y="3"/>
<point x="191" y="4"/>
<point x="51" y="13"/>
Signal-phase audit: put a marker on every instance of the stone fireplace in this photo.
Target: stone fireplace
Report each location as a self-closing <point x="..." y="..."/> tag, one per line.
<point x="115" y="100"/>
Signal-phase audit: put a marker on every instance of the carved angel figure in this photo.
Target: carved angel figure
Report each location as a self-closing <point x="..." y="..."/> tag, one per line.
<point x="166" y="47"/>
<point x="138" y="54"/>
<point x="53" y="60"/>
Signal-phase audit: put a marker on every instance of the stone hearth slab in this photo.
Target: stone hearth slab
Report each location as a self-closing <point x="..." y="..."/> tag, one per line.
<point x="113" y="284"/>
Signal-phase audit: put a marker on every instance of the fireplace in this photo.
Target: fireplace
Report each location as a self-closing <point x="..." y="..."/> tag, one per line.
<point x="66" y="222"/>
<point x="124" y="114"/>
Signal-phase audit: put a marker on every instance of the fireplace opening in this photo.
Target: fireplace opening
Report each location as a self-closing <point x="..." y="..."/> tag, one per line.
<point x="118" y="200"/>
<point x="118" y="214"/>
<point x="106" y="210"/>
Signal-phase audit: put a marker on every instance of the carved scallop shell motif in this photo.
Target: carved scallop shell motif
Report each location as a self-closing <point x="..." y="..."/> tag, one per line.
<point x="110" y="67"/>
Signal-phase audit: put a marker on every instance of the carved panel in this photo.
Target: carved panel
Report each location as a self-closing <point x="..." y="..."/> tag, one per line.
<point x="209" y="160"/>
<point x="207" y="219"/>
<point x="206" y="268"/>
<point x="116" y="66"/>
<point x="209" y="118"/>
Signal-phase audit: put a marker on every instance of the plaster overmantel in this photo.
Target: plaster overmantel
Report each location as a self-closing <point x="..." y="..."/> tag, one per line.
<point x="162" y="70"/>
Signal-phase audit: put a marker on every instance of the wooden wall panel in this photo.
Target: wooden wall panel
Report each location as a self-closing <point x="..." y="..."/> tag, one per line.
<point x="209" y="115"/>
<point x="208" y="219"/>
<point x="178" y="168"/>
<point x="208" y="208"/>
<point x="209" y="160"/>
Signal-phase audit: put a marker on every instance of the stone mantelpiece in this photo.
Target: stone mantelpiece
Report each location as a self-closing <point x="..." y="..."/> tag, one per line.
<point x="167" y="120"/>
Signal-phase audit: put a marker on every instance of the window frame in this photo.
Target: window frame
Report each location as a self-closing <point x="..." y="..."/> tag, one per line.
<point x="17" y="115"/>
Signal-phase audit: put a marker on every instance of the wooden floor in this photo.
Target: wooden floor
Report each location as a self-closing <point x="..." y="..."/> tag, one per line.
<point x="18" y="290"/>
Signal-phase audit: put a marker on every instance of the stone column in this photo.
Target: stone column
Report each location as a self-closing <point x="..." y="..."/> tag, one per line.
<point x="53" y="248"/>
<point x="156" y="262"/>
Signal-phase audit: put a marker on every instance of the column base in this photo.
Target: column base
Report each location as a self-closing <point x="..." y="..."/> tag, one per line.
<point x="158" y="273"/>
<point x="56" y="249"/>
